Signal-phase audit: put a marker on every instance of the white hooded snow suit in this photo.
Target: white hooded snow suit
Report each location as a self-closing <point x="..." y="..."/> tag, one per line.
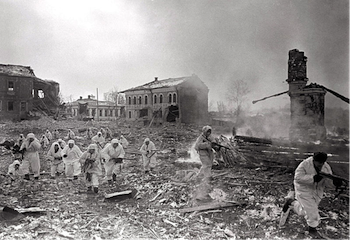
<point x="309" y="193"/>
<point x="149" y="155"/>
<point x="91" y="166"/>
<point x="71" y="162"/>
<point x="12" y="169"/>
<point x="55" y="157"/>
<point x="109" y="153"/>
<point x="31" y="155"/>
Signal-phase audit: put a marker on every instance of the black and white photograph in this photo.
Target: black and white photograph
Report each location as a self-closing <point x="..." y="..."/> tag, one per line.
<point x="174" y="119"/>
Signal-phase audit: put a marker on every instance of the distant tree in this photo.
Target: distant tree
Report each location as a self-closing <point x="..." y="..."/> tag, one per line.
<point x="222" y="109"/>
<point x="111" y="95"/>
<point x="114" y="96"/>
<point x="236" y="93"/>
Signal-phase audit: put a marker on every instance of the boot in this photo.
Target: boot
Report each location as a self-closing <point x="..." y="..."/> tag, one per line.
<point x="287" y="204"/>
<point x="114" y="176"/>
<point x="26" y="176"/>
<point x="312" y="230"/>
<point x="95" y="189"/>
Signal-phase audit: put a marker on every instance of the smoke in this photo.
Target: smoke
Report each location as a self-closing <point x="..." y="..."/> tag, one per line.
<point x="123" y="44"/>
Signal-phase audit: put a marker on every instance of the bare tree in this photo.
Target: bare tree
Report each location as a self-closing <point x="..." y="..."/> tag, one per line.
<point x="222" y="109"/>
<point x="111" y="95"/>
<point x="236" y="95"/>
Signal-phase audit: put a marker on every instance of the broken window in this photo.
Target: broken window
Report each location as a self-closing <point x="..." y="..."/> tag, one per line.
<point x="129" y="100"/>
<point x="140" y="100"/>
<point x="93" y="111"/>
<point x="143" y="112"/>
<point x="101" y="112"/>
<point x="41" y="93"/>
<point x="23" y="106"/>
<point x="134" y="100"/>
<point x="174" y="97"/>
<point x="169" y="98"/>
<point x="11" y="85"/>
<point x="161" y="98"/>
<point x="155" y="99"/>
<point x="129" y="114"/>
<point x="146" y="100"/>
<point x="10" y="106"/>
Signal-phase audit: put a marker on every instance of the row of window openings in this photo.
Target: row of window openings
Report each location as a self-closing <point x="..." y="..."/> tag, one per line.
<point x="171" y="98"/>
<point x="11" y="106"/>
<point x="93" y="113"/>
<point x="11" y="88"/>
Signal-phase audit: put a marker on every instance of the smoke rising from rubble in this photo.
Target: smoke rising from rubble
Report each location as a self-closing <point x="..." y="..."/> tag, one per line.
<point x="87" y="45"/>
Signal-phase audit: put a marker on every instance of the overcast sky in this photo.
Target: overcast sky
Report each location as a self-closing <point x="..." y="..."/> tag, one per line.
<point x="110" y="44"/>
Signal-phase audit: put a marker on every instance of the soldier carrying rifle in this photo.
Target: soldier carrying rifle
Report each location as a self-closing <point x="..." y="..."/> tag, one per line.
<point x="309" y="184"/>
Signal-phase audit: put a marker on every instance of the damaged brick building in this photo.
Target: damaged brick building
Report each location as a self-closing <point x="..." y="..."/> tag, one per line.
<point x="183" y="99"/>
<point x="21" y="92"/>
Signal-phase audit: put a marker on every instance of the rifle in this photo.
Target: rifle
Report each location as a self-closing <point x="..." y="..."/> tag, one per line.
<point x="153" y="152"/>
<point x="345" y="182"/>
<point x="220" y="146"/>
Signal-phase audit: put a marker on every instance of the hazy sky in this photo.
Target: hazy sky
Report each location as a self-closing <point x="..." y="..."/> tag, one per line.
<point x="109" y="44"/>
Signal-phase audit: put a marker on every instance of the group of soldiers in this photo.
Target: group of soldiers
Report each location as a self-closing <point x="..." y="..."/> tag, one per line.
<point x="105" y="150"/>
<point x="309" y="184"/>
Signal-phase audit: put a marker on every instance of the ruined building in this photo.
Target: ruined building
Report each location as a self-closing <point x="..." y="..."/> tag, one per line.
<point x="306" y="101"/>
<point x="21" y="92"/>
<point x="183" y="99"/>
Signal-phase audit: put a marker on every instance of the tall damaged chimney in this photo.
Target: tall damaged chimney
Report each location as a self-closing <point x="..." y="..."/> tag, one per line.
<point x="155" y="79"/>
<point x="306" y="101"/>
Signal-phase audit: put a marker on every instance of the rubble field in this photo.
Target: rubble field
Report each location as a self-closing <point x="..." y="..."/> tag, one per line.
<point x="247" y="200"/>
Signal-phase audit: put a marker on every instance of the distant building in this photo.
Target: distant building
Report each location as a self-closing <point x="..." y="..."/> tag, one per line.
<point x="22" y="92"/>
<point x="183" y="99"/>
<point x="90" y="108"/>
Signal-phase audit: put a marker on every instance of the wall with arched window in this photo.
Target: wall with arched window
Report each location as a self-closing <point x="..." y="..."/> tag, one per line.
<point x="174" y="98"/>
<point x="146" y="99"/>
<point x="134" y="102"/>
<point x="129" y="101"/>
<point x="154" y="99"/>
<point x="169" y="98"/>
<point x="140" y="100"/>
<point x="161" y="98"/>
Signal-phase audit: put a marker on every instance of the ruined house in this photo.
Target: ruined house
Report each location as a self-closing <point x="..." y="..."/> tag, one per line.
<point x="306" y="101"/>
<point x="21" y="92"/>
<point x="91" y="108"/>
<point x="183" y="99"/>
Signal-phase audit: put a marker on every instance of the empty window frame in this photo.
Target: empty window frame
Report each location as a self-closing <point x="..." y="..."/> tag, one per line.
<point x="11" y="85"/>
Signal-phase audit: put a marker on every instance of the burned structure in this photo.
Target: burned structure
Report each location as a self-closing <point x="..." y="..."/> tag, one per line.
<point x="307" y="102"/>
<point x="21" y="93"/>
<point x="183" y="99"/>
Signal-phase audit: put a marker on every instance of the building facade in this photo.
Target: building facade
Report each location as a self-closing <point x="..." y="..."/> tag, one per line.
<point x="183" y="99"/>
<point x="22" y="92"/>
<point x="90" y="108"/>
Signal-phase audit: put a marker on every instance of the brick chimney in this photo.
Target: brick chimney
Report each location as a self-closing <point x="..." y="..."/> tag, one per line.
<point x="155" y="79"/>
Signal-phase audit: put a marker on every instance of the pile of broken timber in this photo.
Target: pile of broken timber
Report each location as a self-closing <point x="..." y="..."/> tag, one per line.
<point x="261" y="152"/>
<point x="231" y="157"/>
